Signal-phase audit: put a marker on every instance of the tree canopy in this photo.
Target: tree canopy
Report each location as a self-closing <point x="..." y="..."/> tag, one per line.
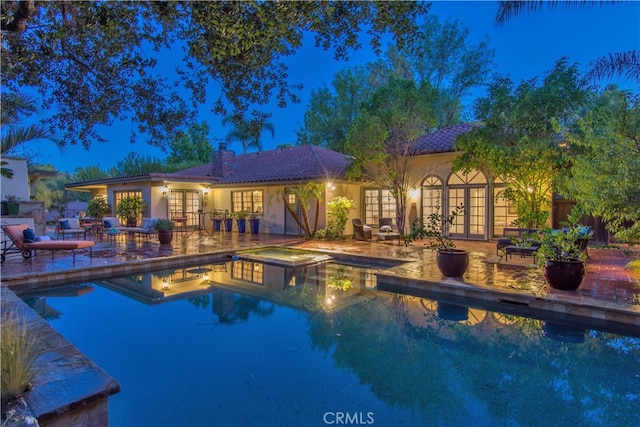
<point x="191" y="146"/>
<point x="96" y="62"/>
<point x="605" y="161"/>
<point x="382" y="139"/>
<point x="519" y="141"/>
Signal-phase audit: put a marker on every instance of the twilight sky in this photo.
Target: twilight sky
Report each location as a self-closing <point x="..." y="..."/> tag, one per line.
<point x="527" y="46"/>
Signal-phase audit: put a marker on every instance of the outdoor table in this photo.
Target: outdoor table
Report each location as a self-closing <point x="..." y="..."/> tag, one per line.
<point x="523" y="251"/>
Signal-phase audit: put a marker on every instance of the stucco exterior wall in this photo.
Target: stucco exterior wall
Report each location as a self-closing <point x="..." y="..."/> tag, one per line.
<point x="18" y="185"/>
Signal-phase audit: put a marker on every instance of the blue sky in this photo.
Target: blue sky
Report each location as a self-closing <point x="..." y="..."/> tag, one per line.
<point x="527" y="46"/>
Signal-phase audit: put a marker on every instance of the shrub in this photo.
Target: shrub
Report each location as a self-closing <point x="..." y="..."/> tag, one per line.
<point x="18" y="353"/>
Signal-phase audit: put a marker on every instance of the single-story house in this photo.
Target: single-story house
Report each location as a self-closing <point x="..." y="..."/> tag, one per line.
<point x="258" y="182"/>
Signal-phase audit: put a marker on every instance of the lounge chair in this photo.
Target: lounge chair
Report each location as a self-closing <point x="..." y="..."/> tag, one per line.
<point x="360" y="231"/>
<point x="16" y="243"/>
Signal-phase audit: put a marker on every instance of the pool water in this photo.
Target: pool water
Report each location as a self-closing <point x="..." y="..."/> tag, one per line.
<point x="319" y="345"/>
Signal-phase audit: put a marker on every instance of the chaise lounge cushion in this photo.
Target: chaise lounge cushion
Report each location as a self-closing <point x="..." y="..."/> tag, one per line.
<point x="29" y="235"/>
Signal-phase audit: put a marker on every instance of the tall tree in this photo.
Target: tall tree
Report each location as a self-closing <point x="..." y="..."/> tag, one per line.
<point x="15" y="108"/>
<point x="625" y="64"/>
<point x="605" y="161"/>
<point x="133" y="164"/>
<point x="247" y="132"/>
<point x="382" y="139"/>
<point x="192" y="146"/>
<point x="444" y="56"/>
<point x="519" y="140"/>
<point x="331" y="112"/>
<point x="95" y="62"/>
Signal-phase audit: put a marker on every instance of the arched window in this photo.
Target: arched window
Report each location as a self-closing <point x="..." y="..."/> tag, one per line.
<point x="431" y="196"/>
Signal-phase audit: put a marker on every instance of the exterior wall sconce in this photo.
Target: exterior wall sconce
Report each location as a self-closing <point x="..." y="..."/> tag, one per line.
<point x="414" y="193"/>
<point x="330" y="186"/>
<point x="165" y="285"/>
<point x="205" y="191"/>
<point x="164" y="189"/>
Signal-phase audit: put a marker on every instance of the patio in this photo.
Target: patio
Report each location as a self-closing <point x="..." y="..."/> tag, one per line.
<point x="609" y="292"/>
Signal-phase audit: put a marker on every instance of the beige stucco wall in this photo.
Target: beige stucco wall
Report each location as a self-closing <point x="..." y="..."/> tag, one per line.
<point x="18" y="185"/>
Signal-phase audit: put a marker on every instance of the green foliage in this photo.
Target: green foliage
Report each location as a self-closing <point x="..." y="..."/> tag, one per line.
<point x="339" y="209"/>
<point x="435" y="229"/>
<point x="247" y="132"/>
<point x="332" y="112"/>
<point x="163" y="224"/>
<point x="95" y="62"/>
<point x="130" y="207"/>
<point x="383" y="136"/>
<point x="445" y="57"/>
<point x="519" y="140"/>
<point x="192" y="146"/>
<point x="605" y="161"/>
<point x="134" y="164"/>
<point x="18" y="354"/>
<point x="559" y="245"/>
<point x="98" y="207"/>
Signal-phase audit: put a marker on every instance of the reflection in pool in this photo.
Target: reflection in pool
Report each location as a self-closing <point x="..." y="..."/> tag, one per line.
<point x="244" y="343"/>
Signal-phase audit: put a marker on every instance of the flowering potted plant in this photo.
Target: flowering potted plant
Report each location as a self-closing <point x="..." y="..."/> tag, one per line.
<point x="451" y="262"/>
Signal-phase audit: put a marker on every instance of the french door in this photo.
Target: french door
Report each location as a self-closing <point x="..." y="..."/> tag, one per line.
<point x="472" y="223"/>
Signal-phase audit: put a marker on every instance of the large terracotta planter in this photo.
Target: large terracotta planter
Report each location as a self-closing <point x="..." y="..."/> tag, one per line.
<point x="565" y="275"/>
<point x="452" y="262"/>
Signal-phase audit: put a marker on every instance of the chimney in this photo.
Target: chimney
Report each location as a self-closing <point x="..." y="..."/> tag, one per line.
<point x="222" y="161"/>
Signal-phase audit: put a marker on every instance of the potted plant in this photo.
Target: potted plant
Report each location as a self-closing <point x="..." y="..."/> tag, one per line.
<point x="98" y="207"/>
<point x="241" y="220"/>
<point x="254" y="223"/>
<point x="228" y="221"/>
<point x="11" y="206"/>
<point x="451" y="262"/>
<point x="560" y="257"/>
<point x="131" y="209"/>
<point x="218" y="216"/>
<point x="164" y="227"/>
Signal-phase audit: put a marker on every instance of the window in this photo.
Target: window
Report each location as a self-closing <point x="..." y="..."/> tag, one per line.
<point x="431" y="196"/>
<point x="378" y="203"/>
<point x="248" y="271"/>
<point x="119" y="195"/>
<point x="504" y="212"/>
<point x="250" y="201"/>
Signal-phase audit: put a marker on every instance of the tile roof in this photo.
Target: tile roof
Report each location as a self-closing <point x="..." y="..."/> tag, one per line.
<point x="441" y="141"/>
<point x="300" y="163"/>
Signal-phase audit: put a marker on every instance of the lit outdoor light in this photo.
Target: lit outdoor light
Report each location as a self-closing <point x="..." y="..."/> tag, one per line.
<point x="414" y="193"/>
<point x="164" y="189"/>
<point x="165" y="285"/>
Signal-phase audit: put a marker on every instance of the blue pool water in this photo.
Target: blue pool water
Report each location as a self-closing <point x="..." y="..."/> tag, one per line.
<point x="247" y="344"/>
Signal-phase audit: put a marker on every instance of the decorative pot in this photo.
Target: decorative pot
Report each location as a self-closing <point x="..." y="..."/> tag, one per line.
<point x="242" y="225"/>
<point x="217" y="224"/>
<point x="255" y="225"/>
<point x="132" y="222"/>
<point x="165" y="237"/>
<point x="454" y="312"/>
<point x="228" y="224"/>
<point x="565" y="275"/>
<point x="452" y="262"/>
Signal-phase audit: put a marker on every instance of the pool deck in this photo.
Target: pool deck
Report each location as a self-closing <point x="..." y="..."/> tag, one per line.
<point x="609" y="295"/>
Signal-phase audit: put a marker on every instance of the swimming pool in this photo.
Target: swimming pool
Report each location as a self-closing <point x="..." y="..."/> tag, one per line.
<point x="244" y="343"/>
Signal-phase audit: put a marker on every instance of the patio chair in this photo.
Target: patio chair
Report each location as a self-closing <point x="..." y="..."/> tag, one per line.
<point x="70" y="227"/>
<point x="179" y="220"/>
<point x="17" y="243"/>
<point x="360" y="231"/>
<point x="385" y="225"/>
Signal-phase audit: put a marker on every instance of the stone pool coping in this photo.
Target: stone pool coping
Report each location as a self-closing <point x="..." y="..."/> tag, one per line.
<point x="67" y="385"/>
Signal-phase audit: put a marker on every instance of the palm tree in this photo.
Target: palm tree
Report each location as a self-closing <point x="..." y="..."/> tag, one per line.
<point x="14" y="134"/>
<point x="624" y="64"/>
<point x="247" y="132"/>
